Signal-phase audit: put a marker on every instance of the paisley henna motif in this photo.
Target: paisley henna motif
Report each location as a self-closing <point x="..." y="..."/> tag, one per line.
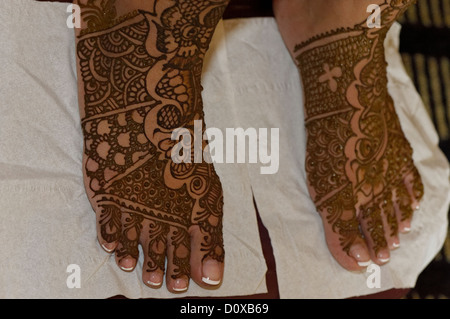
<point x="141" y="80"/>
<point x="357" y="154"/>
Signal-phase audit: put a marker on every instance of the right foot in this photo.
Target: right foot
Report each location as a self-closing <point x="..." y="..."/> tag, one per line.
<point x="139" y="67"/>
<point x="361" y="175"/>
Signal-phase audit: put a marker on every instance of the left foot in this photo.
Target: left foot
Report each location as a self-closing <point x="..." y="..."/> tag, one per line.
<point x="361" y="175"/>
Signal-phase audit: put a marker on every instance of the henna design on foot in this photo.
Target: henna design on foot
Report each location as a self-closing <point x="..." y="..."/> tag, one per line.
<point x="357" y="154"/>
<point x="141" y="77"/>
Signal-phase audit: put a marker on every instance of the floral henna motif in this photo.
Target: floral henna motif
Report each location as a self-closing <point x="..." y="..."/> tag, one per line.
<point x="141" y="80"/>
<point x="357" y="154"/>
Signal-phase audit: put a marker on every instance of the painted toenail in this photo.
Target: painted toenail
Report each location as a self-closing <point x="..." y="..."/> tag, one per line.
<point x="395" y="245"/>
<point x="127" y="268"/>
<point x="154" y="284"/>
<point x="406" y="229"/>
<point x="360" y="255"/>
<point x="155" y="280"/>
<point x="382" y="257"/>
<point x="108" y="247"/>
<point x="180" y="285"/>
<point x="210" y="282"/>
<point x="364" y="263"/>
<point x="211" y="272"/>
<point x="126" y="264"/>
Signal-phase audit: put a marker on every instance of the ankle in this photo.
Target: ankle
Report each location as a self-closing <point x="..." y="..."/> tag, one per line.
<point x="300" y="20"/>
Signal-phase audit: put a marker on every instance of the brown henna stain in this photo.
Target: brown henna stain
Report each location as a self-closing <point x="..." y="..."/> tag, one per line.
<point x="141" y="80"/>
<point x="357" y="154"/>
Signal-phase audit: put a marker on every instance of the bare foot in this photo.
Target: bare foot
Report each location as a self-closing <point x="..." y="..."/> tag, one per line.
<point x="139" y="67"/>
<point x="361" y="175"/>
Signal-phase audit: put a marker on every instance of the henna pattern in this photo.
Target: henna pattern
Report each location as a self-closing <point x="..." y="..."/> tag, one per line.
<point x="141" y="80"/>
<point x="357" y="154"/>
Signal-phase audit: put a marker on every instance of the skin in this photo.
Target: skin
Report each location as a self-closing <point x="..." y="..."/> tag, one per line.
<point x="139" y="67"/>
<point x="361" y="175"/>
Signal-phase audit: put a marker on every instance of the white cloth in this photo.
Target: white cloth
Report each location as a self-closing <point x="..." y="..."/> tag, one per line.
<point x="250" y="80"/>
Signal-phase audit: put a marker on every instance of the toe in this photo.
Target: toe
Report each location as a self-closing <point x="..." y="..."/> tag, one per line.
<point x="207" y="272"/>
<point x="414" y="187"/>
<point x="178" y="260"/>
<point x="373" y="229"/>
<point x="212" y="272"/>
<point x="108" y="227"/>
<point x="403" y="208"/>
<point x="417" y="186"/>
<point x="154" y="246"/>
<point x="390" y="221"/>
<point x="127" y="251"/>
<point x="342" y="232"/>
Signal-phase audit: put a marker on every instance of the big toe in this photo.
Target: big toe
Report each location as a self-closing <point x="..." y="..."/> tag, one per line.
<point x="207" y="272"/>
<point x="344" y="240"/>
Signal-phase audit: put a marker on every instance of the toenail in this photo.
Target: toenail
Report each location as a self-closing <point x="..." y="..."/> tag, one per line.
<point x="360" y="255"/>
<point x="180" y="285"/>
<point x="208" y="281"/>
<point x="127" y="264"/>
<point x="154" y="284"/>
<point x="108" y="247"/>
<point x="211" y="272"/>
<point x="127" y="268"/>
<point x="395" y="245"/>
<point x="364" y="263"/>
<point x="383" y="258"/>
<point x="155" y="280"/>
<point x="406" y="229"/>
